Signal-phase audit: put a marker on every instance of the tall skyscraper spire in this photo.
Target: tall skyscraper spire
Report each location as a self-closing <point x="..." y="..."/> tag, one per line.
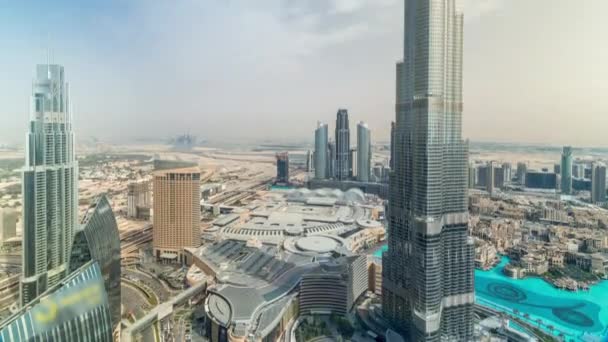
<point x="50" y="185"/>
<point x="428" y="290"/>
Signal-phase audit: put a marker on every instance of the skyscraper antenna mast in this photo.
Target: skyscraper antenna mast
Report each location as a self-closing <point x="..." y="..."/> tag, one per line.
<point x="48" y="64"/>
<point x="48" y="55"/>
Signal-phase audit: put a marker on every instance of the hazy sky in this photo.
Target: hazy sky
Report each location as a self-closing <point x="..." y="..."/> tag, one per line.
<point x="535" y="70"/>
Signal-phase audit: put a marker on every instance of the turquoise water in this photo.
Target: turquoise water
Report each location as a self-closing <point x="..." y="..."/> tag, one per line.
<point x="281" y="187"/>
<point x="582" y="316"/>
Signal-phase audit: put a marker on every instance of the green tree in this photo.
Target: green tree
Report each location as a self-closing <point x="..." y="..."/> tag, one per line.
<point x="345" y="328"/>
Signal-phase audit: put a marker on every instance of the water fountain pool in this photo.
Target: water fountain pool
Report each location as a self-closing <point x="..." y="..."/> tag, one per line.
<point x="581" y="316"/>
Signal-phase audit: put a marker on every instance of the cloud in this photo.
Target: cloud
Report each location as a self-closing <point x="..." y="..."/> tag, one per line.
<point x="474" y="9"/>
<point x="347" y="6"/>
<point x="318" y="24"/>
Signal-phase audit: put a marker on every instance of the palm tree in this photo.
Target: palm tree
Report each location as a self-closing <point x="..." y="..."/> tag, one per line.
<point x="539" y="321"/>
<point x="516" y="312"/>
<point x="526" y="315"/>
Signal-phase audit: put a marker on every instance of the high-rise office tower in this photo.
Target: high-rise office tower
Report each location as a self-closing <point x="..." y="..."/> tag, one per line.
<point x="428" y="284"/>
<point x="578" y="170"/>
<point x="353" y="163"/>
<point x="50" y="185"/>
<point x="490" y="177"/>
<point x="139" y="199"/>
<point x="587" y="172"/>
<point x="557" y="169"/>
<point x="282" y="168"/>
<point x="342" y="145"/>
<point x="499" y="177"/>
<point x="331" y="170"/>
<point x="390" y="163"/>
<point x="177" y="213"/>
<point x="364" y="152"/>
<point x="472" y="174"/>
<point x="481" y="174"/>
<point x="310" y="164"/>
<point x="566" y="170"/>
<point x="506" y="173"/>
<point x="522" y="169"/>
<point x="598" y="183"/>
<point x="321" y="152"/>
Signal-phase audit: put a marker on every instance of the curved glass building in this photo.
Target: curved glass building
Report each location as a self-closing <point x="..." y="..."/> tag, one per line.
<point x="75" y="309"/>
<point x="98" y="239"/>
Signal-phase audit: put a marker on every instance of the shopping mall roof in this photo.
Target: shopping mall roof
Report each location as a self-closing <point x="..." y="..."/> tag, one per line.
<point x="251" y="280"/>
<point x="317" y="244"/>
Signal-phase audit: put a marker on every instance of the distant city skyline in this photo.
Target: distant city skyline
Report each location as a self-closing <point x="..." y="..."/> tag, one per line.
<point x="224" y="67"/>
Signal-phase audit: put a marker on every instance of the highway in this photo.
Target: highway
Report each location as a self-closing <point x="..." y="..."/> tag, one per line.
<point x="130" y="243"/>
<point x="131" y="240"/>
<point x="154" y="284"/>
<point x="234" y="195"/>
<point x="10" y="259"/>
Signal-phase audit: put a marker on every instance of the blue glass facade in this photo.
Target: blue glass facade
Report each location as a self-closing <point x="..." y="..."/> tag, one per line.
<point x="541" y="180"/>
<point x="98" y="239"/>
<point x="76" y="309"/>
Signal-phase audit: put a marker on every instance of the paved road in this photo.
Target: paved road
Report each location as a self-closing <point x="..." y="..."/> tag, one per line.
<point x="154" y="284"/>
<point x="135" y="302"/>
<point x="10" y="259"/>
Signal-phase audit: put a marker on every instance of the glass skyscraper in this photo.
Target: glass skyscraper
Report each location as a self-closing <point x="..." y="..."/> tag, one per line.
<point x="282" y="168"/>
<point x="566" y="170"/>
<point x="364" y="152"/>
<point x="50" y="185"/>
<point x="598" y="183"/>
<point x="428" y="279"/>
<point x="321" y="152"/>
<point x="342" y="171"/>
<point x="75" y="309"/>
<point x="393" y="131"/>
<point x="98" y="239"/>
<point x="331" y="146"/>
